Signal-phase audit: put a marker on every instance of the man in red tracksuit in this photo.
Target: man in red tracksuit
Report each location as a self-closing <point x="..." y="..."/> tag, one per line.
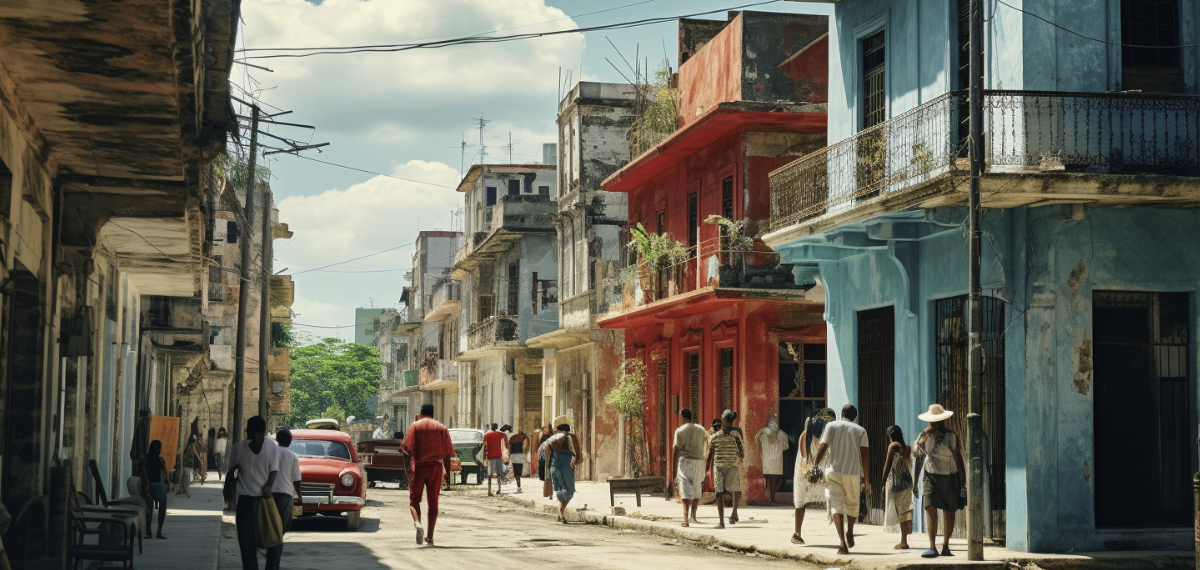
<point x="429" y="447"/>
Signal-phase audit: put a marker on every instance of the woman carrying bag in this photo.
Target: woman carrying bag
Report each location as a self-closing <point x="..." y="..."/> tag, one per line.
<point x="942" y="485"/>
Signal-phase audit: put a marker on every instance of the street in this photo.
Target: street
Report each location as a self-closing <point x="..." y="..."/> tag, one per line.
<point x="486" y="533"/>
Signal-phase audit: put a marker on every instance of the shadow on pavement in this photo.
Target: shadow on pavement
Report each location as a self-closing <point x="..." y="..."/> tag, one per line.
<point x="332" y="524"/>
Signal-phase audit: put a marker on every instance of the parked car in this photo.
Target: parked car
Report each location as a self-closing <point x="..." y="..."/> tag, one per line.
<point x="332" y="482"/>
<point x="468" y="445"/>
<point x="384" y="460"/>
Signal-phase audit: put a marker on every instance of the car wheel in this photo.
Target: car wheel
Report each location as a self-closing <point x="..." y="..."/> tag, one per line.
<point x="353" y="520"/>
<point x="370" y="484"/>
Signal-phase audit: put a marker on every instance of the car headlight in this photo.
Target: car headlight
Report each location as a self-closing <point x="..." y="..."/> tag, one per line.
<point x="347" y="480"/>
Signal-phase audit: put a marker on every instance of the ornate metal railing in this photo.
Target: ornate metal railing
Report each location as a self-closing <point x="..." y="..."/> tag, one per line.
<point x="1024" y="131"/>
<point x="492" y="330"/>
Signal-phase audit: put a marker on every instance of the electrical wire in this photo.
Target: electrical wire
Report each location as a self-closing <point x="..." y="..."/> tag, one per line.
<point x="354" y="259"/>
<point x="1089" y="38"/>
<point x="372" y="172"/>
<point x="466" y="40"/>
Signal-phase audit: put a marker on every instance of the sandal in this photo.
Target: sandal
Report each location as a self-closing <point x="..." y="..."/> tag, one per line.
<point x="796" y="539"/>
<point x="931" y="553"/>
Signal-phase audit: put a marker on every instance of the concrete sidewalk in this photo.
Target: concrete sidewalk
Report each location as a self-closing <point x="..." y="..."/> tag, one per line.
<point x="768" y="530"/>
<point x="192" y="529"/>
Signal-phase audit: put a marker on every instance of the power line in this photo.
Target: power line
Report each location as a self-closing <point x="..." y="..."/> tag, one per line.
<point x="466" y="40"/>
<point x="354" y="259"/>
<point x="1089" y="38"/>
<point x="372" y="172"/>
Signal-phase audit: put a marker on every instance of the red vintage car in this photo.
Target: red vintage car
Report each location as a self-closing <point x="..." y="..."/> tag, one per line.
<point x="332" y="482"/>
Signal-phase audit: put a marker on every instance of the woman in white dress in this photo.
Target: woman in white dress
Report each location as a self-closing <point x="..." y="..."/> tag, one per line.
<point x="772" y="442"/>
<point x="806" y="494"/>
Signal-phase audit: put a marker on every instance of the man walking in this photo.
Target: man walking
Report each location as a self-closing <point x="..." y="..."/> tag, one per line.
<point x="286" y="490"/>
<point x="255" y="461"/>
<point x="429" y="450"/>
<point x="516" y="453"/>
<point x="724" y="452"/>
<point x="689" y="465"/>
<point x="495" y="443"/>
<point x="845" y="444"/>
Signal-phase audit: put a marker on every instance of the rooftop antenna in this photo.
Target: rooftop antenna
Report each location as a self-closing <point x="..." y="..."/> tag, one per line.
<point x="509" y="147"/>
<point x="482" y="147"/>
<point x="462" y="158"/>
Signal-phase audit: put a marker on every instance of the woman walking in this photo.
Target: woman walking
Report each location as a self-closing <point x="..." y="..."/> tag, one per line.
<point x="808" y="484"/>
<point x="562" y="456"/>
<point x="219" y="446"/>
<point x="941" y="486"/>
<point x="897" y="472"/>
<point x="189" y="461"/>
<point x="154" y="473"/>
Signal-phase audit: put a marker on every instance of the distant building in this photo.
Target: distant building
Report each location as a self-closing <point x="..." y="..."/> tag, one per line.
<point x="366" y="325"/>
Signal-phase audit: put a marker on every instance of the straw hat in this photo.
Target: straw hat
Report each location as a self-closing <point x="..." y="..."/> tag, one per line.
<point x="936" y="413"/>
<point x="560" y="420"/>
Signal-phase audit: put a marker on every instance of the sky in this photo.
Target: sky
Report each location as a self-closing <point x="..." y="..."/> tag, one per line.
<point x="402" y="116"/>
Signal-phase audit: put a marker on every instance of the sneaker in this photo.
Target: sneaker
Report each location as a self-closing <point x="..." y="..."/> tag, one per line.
<point x="420" y="534"/>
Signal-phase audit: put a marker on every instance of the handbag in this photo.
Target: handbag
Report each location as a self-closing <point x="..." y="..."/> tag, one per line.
<point x="814" y="474"/>
<point x="268" y="525"/>
<point x="229" y="490"/>
<point x="962" y="492"/>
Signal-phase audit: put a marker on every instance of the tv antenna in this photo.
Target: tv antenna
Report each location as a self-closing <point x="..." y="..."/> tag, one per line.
<point x="482" y="147"/>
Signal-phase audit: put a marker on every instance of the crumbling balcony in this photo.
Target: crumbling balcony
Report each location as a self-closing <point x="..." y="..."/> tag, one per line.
<point x="1039" y="148"/>
<point x="445" y="301"/>
<point x="493" y="332"/>
<point x="503" y="224"/>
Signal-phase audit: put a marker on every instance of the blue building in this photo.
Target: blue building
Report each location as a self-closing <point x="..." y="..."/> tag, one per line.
<point x="1090" y="264"/>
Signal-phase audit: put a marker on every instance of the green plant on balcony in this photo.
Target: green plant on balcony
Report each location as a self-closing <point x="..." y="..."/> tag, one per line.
<point x="655" y="252"/>
<point x="658" y="115"/>
<point x="733" y="233"/>
<point x="629" y="398"/>
<point x="281" y="337"/>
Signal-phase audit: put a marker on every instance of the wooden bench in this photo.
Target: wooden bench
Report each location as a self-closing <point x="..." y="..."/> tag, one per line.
<point x="625" y="486"/>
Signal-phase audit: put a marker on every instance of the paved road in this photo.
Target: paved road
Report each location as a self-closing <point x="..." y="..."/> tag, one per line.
<point x="480" y="533"/>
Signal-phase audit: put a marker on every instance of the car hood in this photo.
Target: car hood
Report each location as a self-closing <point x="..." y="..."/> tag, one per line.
<point x="318" y="470"/>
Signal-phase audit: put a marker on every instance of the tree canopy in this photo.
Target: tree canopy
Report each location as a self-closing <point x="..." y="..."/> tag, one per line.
<point x="329" y="373"/>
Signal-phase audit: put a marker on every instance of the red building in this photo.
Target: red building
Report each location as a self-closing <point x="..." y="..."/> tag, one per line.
<point x="728" y="328"/>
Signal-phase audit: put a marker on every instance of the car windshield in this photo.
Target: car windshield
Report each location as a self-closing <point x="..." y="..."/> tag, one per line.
<point x="465" y="436"/>
<point x="320" y="448"/>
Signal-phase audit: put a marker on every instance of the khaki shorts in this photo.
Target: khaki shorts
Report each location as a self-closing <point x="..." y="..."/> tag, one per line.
<point x="691" y="478"/>
<point x="726" y="479"/>
<point x="841" y="493"/>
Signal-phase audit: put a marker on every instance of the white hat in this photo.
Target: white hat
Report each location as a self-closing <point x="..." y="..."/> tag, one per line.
<point x="560" y="420"/>
<point x="936" y="413"/>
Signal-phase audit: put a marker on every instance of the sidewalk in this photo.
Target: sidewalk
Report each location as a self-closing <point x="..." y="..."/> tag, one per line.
<point x="192" y="529"/>
<point x="768" y="530"/>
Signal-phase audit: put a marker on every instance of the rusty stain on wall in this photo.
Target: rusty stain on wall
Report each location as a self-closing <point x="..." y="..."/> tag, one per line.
<point x="1076" y="278"/>
<point x="1081" y="366"/>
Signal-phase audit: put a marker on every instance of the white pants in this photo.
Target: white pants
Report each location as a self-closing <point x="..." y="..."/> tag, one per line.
<point x="691" y="478"/>
<point x="841" y="493"/>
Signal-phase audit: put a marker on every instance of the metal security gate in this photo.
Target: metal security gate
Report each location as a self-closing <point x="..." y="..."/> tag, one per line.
<point x="876" y="394"/>
<point x="950" y="361"/>
<point x="1143" y="411"/>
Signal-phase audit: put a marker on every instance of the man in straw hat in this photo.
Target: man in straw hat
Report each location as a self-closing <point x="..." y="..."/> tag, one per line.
<point x="562" y="452"/>
<point x="845" y="444"/>
<point x="942" y="487"/>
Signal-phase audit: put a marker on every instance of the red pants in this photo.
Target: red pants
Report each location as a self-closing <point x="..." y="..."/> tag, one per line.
<point x="425" y="475"/>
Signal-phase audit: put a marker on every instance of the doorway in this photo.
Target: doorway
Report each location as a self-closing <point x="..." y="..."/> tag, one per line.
<point x="801" y="393"/>
<point x="1143" y="409"/>
<point x="876" y="394"/>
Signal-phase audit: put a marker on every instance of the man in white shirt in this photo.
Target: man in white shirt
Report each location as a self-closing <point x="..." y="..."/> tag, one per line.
<point x="287" y="487"/>
<point x="844" y="443"/>
<point x="255" y="461"/>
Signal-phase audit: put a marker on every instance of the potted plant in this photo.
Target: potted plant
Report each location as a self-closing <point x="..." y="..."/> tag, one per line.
<point x="734" y="246"/>
<point x="655" y="252"/>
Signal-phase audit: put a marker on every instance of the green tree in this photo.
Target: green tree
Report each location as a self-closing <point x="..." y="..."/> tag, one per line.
<point x="329" y="373"/>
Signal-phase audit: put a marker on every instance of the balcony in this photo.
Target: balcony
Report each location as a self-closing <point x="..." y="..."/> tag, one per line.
<point x="498" y="227"/>
<point x="445" y="301"/>
<point x="438" y="375"/>
<point x="716" y="277"/>
<point x="919" y="158"/>
<point x="493" y="332"/>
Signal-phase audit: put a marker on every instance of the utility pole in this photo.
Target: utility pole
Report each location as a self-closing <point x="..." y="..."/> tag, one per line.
<point x="264" y="329"/>
<point x="975" y="460"/>
<point x="239" y="361"/>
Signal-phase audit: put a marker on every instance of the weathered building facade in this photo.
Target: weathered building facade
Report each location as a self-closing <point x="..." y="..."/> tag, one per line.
<point x="729" y="327"/>
<point x="582" y="359"/>
<point x="508" y="269"/>
<point x="1090" y="308"/>
<point x="104" y="168"/>
<point x="431" y="374"/>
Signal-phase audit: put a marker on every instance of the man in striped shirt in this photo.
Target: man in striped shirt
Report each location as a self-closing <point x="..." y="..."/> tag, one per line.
<point x="844" y="443"/>
<point x="428" y="444"/>
<point x="724" y="452"/>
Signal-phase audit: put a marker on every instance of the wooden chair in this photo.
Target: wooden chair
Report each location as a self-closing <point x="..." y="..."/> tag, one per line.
<point x="135" y="504"/>
<point x="119" y="526"/>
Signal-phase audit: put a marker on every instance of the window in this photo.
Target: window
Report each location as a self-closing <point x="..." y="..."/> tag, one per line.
<point x="1154" y="24"/>
<point x="726" y="378"/>
<point x="491" y="196"/>
<point x="514" y="187"/>
<point x="544" y="189"/>
<point x="487" y="307"/>
<point x="693" y="220"/>
<point x="874" y="87"/>
<point x="727" y="198"/>
<point x="662" y="222"/>
<point x="231" y="234"/>
<point x="694" y="382"/>
<point x="876" y="387"/>
<point x="514" y="289"/>
<point x="215" y="270"/>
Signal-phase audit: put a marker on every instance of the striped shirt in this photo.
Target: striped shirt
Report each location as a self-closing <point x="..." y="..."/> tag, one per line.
<point x="724" y="448"/>
<point x="844" y="440"/>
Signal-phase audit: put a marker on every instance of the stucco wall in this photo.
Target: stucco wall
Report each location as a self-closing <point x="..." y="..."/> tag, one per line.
<point x="1045" y="263"/>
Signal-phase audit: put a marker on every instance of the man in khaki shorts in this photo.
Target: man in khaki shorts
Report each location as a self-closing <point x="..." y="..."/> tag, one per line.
<point x="689" y="461"/>
<point x="724" y="452"/>
<point x="844" y="443"/>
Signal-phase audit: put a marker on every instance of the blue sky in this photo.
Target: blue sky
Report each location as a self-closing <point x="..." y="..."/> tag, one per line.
<point x="403" y="113"/>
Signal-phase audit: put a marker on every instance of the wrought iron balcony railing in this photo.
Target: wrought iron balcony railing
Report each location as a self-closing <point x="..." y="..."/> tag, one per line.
<point x="492" y="330"/>
<point x="1024" y="131"/>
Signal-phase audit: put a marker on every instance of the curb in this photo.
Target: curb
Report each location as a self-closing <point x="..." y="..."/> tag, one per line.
<point x="1153" y="562"/>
